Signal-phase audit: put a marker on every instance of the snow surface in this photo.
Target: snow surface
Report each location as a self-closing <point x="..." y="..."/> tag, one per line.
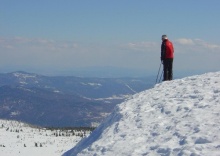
<point x="19" y="139"/>
<point x="180" y="117"/>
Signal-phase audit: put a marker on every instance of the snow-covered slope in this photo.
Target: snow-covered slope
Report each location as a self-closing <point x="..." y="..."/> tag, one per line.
<point x="19" y="139"/>
<point x="180" y="117"/>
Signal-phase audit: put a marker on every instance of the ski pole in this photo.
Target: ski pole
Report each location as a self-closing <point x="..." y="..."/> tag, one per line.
<point x="161" y="75"/>
<point x="158" y="73"/>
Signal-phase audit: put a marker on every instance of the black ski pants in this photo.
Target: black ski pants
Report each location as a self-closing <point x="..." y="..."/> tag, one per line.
<point x="167" y="69"/>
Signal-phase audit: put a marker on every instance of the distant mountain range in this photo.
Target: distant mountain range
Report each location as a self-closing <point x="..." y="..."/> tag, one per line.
<point x="63" y="101"/>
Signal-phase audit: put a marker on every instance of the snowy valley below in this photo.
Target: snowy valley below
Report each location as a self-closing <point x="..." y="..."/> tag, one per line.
<point x="20" y="139"/>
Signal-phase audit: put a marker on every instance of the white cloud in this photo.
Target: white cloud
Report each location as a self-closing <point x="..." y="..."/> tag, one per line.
<point x="41" y="53"/>
<point x="37" y="43"/>
<point x="185" y="41"/>
<point x="196" y="54"/>
<point x="141" y="46"/>
<point x="196" y="44"/>
<point x="207" y="45"/>
<point x="180" y="45"/>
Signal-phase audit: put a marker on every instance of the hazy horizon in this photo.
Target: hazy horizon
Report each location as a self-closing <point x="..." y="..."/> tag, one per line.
<point x="56" y="37"/>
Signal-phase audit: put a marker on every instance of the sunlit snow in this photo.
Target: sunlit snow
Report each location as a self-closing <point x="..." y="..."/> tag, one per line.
<point x="19" y="139"/>
<point x="179" y="117"/>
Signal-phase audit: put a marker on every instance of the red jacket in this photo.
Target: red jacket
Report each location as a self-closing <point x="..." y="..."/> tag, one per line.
<point x="167" y="49"/>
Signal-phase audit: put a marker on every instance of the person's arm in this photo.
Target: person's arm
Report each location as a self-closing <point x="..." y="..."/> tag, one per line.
<point x="163" y="50"/>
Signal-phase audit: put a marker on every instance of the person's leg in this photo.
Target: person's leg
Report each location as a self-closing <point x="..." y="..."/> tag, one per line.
<point x="170" y="69"/>
<point x="165" y="70"/>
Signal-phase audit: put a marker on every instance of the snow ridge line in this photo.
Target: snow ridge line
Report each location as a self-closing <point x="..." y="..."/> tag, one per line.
<point x="179" y="117"/>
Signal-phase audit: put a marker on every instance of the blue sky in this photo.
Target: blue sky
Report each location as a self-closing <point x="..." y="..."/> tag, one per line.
<point x="50" y="36"/>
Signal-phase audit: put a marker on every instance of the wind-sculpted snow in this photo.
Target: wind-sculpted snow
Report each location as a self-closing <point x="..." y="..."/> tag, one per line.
<point x="180" y="117"/>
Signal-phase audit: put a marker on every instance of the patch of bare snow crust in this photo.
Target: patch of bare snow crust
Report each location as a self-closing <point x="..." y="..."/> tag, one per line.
<point x="179" y="117"/>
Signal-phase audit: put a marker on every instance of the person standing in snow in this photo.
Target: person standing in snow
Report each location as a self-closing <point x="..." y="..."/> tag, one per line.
<point x="167" y="56"/>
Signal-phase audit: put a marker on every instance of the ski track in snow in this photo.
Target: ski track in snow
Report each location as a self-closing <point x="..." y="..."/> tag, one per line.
<point x="130" y="88"/>
<point x="180" y="117"/>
